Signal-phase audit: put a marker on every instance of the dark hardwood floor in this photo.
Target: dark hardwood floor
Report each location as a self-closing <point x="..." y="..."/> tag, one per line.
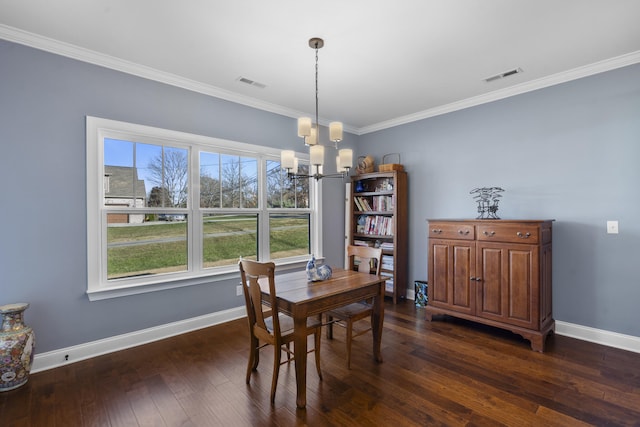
<point x="448" y="372"/>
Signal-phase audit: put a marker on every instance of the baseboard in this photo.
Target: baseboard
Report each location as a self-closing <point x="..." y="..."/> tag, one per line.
<point x="585" y="333"/>
<point x="64" y="356"/>
<point x="599" y="336"/>
<point x="411" y="294"/>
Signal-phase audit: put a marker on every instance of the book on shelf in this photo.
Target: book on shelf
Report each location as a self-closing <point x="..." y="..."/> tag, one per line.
<point x="362" y="204"/>
<point x="358" y="205"/>
<point x="388" y="285"/>
<point x="378" y="225"/>
<point x="387" y="262"/>
<point x="383" y="203"/>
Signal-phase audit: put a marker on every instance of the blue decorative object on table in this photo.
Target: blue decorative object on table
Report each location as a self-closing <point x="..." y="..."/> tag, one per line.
<point x="317" y="273"/>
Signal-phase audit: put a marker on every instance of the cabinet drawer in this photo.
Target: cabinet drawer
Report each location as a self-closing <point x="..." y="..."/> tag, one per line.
<point x="508" y="233"/>
<point x="440" y="230"/>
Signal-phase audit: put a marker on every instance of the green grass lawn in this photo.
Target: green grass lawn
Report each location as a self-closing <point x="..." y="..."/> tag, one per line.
<point x="151" y="248"/>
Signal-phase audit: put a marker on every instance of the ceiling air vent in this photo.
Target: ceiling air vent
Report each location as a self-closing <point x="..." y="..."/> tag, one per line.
<point x="503" y="75"/>
<point x="251" y="82"/>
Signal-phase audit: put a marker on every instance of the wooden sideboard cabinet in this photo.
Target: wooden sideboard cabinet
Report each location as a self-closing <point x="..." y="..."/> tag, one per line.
<point x="495" y="272"/>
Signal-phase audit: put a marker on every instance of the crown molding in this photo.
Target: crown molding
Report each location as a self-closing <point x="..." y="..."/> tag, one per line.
<point x="565" y="76"/>
<point x="89" y="56"/>
<point x="81" y="54"/>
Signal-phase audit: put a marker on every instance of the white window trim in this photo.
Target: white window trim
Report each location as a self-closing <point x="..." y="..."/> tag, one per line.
<point x="97" y="286"/>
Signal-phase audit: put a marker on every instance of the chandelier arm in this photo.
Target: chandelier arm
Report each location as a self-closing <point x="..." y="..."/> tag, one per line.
<point x="317" y="176"/>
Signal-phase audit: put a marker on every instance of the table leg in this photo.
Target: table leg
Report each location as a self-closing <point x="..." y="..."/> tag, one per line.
<point x="300" y="352"/>
<point x="377" y="319"/>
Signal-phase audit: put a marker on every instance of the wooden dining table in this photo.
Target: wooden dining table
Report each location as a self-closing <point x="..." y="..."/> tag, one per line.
<point x="300" y="299"/>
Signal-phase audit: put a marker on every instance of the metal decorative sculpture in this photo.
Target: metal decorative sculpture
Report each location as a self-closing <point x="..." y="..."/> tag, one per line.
<point x="487" y="199"/>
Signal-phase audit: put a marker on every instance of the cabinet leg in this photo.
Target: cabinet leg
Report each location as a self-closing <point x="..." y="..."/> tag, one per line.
<point x="538" y="341"/>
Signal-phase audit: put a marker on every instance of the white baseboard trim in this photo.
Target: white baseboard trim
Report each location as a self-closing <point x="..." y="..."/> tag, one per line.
<point x="599" y="336"/>
<point x="411" y="294"/>
<point x="585" y="333"/>
<point x="65" y="356"/>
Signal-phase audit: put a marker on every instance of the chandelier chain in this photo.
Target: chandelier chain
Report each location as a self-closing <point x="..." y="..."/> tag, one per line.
<point x="317" y="122"/>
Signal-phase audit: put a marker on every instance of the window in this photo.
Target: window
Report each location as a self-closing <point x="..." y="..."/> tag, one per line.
<point x="168" y="209"/>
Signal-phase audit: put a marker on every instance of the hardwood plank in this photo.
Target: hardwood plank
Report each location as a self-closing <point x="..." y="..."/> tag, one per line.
<point x="447" y="372"/>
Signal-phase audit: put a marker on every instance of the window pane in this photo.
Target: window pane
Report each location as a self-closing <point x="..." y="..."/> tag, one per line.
<point x="289" y="235"/>
<point x="283" y="192"/>
<point x="226" y="238"/>
<point x="239" y="181"/>
<point x="210" y="180"/>
<point x="138" y="175"/>
<point x="139" y="246"/>
<point x="249" y="182"/>
<point x="168" y="170"/>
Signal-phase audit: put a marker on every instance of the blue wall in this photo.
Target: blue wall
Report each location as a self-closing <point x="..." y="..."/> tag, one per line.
<point x="569" y="152"/>
<point x="44" y="99"/>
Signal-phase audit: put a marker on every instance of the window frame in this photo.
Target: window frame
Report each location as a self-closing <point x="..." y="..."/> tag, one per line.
<point x="99" y="287"/>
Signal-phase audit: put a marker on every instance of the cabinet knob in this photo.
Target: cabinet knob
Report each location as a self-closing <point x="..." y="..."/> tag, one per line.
<point x="523" y="236"/>
<point x="488" y="233"/>
<point x="436" y="231"/>
<point x="475" y="279"/>
<point x="463" y="232"/>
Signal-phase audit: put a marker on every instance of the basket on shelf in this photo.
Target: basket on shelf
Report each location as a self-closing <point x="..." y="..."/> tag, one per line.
<point x="366" y="164"/>
<point x="389" y="167"/>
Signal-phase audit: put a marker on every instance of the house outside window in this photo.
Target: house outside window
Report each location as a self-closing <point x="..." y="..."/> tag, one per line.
<point x="168" y="209"/>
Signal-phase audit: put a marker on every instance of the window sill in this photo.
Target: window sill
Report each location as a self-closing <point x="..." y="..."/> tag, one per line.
<point x="127" y="290"/>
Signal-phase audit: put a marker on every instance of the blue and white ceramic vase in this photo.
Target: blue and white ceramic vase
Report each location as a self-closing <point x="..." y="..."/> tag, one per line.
<point x="16" y="347"/>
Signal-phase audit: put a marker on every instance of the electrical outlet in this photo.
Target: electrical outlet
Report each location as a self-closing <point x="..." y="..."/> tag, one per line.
<point x="612" y="227"/>
<point x="238" y="290"/>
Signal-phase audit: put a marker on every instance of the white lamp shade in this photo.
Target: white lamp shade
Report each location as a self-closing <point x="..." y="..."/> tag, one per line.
<point x="345" y="159"/>
<point x="312" y="139"/>
<point x="304" y="127"/>
<point x="335" y="131"/>
<point x="295" y="165"/>
<point x="317" y="155"/>
<point x="287" y="159"/>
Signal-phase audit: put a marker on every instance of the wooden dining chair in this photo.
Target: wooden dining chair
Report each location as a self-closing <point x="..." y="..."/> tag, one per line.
<point x="270" y="326"/>
<point x="364" y="259"/>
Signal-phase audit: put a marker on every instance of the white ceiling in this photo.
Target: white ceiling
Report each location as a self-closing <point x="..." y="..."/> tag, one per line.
<point x="384" y="62"/>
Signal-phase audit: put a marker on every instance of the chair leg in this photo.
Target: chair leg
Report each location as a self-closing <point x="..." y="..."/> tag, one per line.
<point x="349" y="339"/>
<point x="276" y="371"/>
<point x="317" y="335"/>
<point x="254" y="354"/>
<point x="329" y="327"/>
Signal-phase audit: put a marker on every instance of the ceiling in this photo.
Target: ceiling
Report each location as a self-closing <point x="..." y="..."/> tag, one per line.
<point x="384" y="63"/>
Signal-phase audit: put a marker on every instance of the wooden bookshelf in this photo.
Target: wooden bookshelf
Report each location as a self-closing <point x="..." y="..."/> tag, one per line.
<point x="378" y="212"/>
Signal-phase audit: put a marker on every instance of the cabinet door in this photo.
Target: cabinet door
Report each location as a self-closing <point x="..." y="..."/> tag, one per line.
<point x="507" y="285"/>
<point x="453" y="264"/>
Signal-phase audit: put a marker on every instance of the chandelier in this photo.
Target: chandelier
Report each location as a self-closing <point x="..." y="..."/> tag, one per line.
<point x="310" y="133"/>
